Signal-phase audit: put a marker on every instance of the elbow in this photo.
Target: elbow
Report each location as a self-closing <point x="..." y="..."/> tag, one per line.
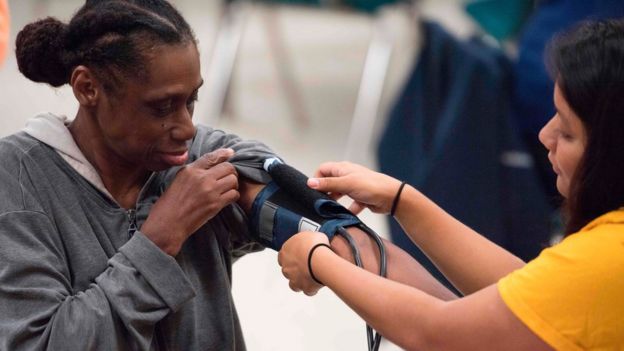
<point x="430" y="334"/>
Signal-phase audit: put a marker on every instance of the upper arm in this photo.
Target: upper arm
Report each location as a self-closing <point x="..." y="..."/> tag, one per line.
<point x="482" y="321"/>
<point x="249" y="155"/>
<point x="248" y="190"/>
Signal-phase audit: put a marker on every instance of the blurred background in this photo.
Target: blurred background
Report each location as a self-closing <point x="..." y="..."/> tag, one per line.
<point x="446" y="94"/>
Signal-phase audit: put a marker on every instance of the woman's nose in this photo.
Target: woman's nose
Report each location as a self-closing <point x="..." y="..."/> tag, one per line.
<point x="184" y="129"/>
<point x="547" y="136"/>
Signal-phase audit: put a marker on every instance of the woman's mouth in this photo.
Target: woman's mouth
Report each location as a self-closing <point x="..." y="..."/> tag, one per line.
<point x="175" y="158"/>
<point x="552" y="163"/>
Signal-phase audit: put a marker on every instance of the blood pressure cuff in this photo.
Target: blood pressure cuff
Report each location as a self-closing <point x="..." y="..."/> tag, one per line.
<point x="277" y="214"/>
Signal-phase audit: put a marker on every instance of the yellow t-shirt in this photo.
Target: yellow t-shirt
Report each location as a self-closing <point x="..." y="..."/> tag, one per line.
<point x="572" y="294"/>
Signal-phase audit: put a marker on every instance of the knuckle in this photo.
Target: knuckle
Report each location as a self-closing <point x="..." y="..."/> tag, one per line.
<point x="235" y="181"/>
<point x="236" y="196"/>
<point x="223" y="168"/>
<point x="229" y="166"/>
<point x="211" y="158"/>
<point x="310" y="292"/>
<point x="185" y="170"/>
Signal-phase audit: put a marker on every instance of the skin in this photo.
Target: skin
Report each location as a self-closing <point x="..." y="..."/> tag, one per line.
<point x="408" y="316"/>
<point x="146" y="127"/>
<point x="564" y="137"/>
<point x="401" y="267"/>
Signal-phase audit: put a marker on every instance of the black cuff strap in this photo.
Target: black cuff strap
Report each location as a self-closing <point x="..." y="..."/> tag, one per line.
<point x="310" y="260"/>
<point x="395" y="202"/>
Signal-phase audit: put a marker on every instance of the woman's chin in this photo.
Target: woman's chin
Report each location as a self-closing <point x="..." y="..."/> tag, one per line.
<point x="562" y="187"/>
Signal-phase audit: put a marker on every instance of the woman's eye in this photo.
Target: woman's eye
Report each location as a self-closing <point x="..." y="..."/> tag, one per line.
<point x="162" y="110"/>
<point x="564" y="135"/>
<point x="192" y="100"/>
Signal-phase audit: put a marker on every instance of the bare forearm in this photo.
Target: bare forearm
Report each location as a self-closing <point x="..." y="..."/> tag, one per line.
<point x="400" y="313"/>
<point x="401" y="267"/>
<point x="469" y="260"/>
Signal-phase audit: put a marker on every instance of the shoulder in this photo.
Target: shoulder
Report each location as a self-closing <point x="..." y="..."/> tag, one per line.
<point x="600" y="244"/>
<point x="571" y="291"/>
<point x="208" y="139"/>
<point x="249" y="154"/>
<point x="593" y="253"/>
<point x="15" y="147"/>
<point x="18" y="155"/>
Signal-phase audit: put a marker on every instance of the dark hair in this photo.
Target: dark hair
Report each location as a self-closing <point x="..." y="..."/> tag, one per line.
<point x="111" y="37"/>
<point x="588" y="63"/>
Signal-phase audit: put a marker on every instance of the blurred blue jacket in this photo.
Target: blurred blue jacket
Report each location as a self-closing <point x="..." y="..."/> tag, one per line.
<point x="451" y="136"/>
<point x="533" y="87"/>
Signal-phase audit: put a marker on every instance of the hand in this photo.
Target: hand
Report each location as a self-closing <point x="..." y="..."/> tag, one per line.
<point x="369" y="189"/>
<point x="199" y="191"/>
<point x="293" y="258"/>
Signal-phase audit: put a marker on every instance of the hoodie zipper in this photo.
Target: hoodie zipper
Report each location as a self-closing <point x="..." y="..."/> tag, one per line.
<point x="132" y="227"/>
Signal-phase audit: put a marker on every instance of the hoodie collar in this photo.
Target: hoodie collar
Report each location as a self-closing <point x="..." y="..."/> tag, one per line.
<point x="52" y="130"/>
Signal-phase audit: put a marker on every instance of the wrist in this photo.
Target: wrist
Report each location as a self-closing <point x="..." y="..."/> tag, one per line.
<point x="165" y="242"/>
<point x="314" y="252"/>
<point x="397" y="198"/>
<point x="406" y="203"/>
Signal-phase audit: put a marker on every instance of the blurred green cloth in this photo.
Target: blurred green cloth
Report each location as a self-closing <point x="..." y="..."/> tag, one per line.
<point x="368" y="6"/>
<point x="501" y="19"/>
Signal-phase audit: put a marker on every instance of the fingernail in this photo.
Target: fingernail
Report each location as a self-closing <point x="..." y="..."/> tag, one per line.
<point x="313" y="183"/>
<point x="229" y="152"/>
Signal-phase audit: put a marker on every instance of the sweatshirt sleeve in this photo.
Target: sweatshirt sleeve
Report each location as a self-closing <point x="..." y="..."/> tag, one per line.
<point x="119" y="310"/>
<point x="248" y="159"/>
<point x="249" y="154"/>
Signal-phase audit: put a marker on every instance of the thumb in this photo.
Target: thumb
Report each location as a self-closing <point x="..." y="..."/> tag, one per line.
<point x="329" y="184"/>
<point x="213" y="158"/>
<point x="356" y="207"/>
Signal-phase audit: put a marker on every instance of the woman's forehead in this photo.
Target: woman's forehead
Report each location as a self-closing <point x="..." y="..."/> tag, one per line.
<point x="172" y="70"/>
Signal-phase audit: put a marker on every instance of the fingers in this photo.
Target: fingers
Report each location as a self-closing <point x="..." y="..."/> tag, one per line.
<point x="335" y="196"/>
<point x="334" y="185"/>
<point x="293" y="286"/>
<point x="315" y="183"/>
<point x="228" y="182"/>
<point x="329" y="169"/>
<point x="356" y="207"/>
<point x="292" y="259"/>
<point x="312" y="291"/>
<point x="280" y="258"/>
<point x="230" y="196"/>
<point x="213" y="158"/>
<point x="220" y="171"/>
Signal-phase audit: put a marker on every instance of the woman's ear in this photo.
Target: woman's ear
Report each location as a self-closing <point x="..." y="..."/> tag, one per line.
<point x="85" y="85"/>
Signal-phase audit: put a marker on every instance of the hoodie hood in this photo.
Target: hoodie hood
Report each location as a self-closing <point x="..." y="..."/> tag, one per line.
<point x="52" y="130"/>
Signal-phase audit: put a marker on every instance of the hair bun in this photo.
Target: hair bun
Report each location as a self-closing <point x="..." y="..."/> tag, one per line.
<point x="39" y="50"/>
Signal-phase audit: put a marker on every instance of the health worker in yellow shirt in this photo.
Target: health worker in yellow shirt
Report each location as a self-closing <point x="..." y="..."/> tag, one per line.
<point x="571" y="297"/>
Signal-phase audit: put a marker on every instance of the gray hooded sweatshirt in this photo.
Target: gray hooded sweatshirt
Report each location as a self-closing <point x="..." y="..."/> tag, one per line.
<point x="77" y="274"/>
